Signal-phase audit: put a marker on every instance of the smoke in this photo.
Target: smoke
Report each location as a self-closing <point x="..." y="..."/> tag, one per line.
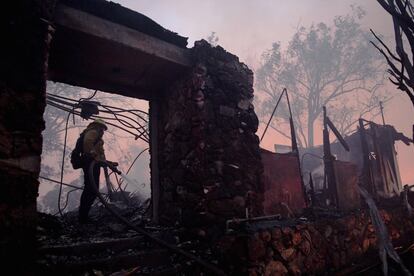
<point x="247" y="28"/>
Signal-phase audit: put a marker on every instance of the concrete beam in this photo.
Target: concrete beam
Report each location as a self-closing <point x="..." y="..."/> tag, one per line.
<point x="96" y="53"/>
<point x="95" y="26"/>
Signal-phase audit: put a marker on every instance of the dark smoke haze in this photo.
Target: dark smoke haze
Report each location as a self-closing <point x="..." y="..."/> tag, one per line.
<point x="247" y="28"/>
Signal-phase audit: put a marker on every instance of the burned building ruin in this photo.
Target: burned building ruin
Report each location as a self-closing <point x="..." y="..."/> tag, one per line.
<point x="208" y="173"/>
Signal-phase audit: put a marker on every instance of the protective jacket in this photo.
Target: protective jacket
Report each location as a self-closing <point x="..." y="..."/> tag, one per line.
<point x="93" y="145"/>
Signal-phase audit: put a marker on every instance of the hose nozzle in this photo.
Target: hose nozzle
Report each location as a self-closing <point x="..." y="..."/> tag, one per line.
<point x="112" y="165"/>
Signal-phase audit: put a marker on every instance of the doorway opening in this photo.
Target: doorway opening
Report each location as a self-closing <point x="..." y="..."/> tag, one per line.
<point x="68" y="112"/>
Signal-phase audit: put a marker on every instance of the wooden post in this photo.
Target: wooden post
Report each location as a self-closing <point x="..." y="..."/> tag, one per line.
<point x="367" y="171"/>
<point x="295" y="148"/>
<point x="379" y="162"/>
<point x="155" y="182"/>
<point x="329" y="163"/>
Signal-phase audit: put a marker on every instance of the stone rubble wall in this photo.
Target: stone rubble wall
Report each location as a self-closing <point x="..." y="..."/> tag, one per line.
<point x="210" y="166"/>
<point x="318" y="247"/>
<point x="24" y="58"/>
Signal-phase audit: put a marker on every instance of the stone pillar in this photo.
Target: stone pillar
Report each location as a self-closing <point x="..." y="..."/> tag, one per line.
<point x="209" y="161"/>
<point x="24" y="52"/>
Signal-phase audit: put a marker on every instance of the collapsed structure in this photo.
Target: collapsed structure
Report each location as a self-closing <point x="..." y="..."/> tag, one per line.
<point x="207" y="170"/>
<point x="372" y="156"/>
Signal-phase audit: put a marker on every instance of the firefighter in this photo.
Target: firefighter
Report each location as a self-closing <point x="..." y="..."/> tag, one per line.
<point x="92" y="150"/>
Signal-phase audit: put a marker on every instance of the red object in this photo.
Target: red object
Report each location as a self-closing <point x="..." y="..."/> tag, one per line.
<point x="346" y="175"/>
<point x="282" y="183"/>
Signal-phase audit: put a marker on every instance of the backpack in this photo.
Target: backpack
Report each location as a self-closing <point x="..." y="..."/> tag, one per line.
<point x="76" y="157"/>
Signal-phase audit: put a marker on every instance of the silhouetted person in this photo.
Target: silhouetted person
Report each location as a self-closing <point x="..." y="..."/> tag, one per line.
<point x="92" y="151"/>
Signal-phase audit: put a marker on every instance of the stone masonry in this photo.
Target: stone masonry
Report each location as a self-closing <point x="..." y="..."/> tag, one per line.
<point x="22" y="102"/>
<point x="315" y="247"/>
<point x="210" y="166"/>
<point x="210" y="169"/>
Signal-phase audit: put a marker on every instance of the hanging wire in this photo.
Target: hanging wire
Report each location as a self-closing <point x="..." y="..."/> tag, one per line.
<point x="132" y="164"/>
<point x="58" y="182"/>
<point x="63" y="163"/>
<point x="89" y="98"/>
<point x="124" y="116"/>
<point x="67" y="199"/>
<point x="132" y="111"/>
<point x="61" y="103"/>
<point x="136" y="158"/>
<point x="140" y="135"/>
<point x="108" y="109"/>
<point x="117" y="109"/>
<point x="273" y="113"/>
<point x="69" y="105"/>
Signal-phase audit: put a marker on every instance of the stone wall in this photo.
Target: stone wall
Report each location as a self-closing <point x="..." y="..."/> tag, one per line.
<point x="210" y="167"/>
<point x="319" y="247"/>
<point x="22" y="101"/>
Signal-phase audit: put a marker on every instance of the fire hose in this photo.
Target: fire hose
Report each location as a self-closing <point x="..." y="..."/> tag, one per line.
<point x="171" y="247"/>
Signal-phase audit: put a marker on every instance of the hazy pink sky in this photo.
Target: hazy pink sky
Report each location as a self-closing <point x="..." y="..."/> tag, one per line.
<point x="247" y="28"/>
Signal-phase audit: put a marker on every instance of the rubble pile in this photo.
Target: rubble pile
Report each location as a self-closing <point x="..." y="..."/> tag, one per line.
<point x="325" y="245"/>
<point x="103" y="244"/>
<point x="210" y="168"/>
<point x="107" y="247"/>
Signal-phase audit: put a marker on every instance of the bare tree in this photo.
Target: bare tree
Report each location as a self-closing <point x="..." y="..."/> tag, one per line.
<point x="323" y="65"/>
<point x="400" y="62"/>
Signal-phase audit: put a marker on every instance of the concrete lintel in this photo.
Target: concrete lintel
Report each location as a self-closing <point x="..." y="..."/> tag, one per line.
<point x="87" y="23"/>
